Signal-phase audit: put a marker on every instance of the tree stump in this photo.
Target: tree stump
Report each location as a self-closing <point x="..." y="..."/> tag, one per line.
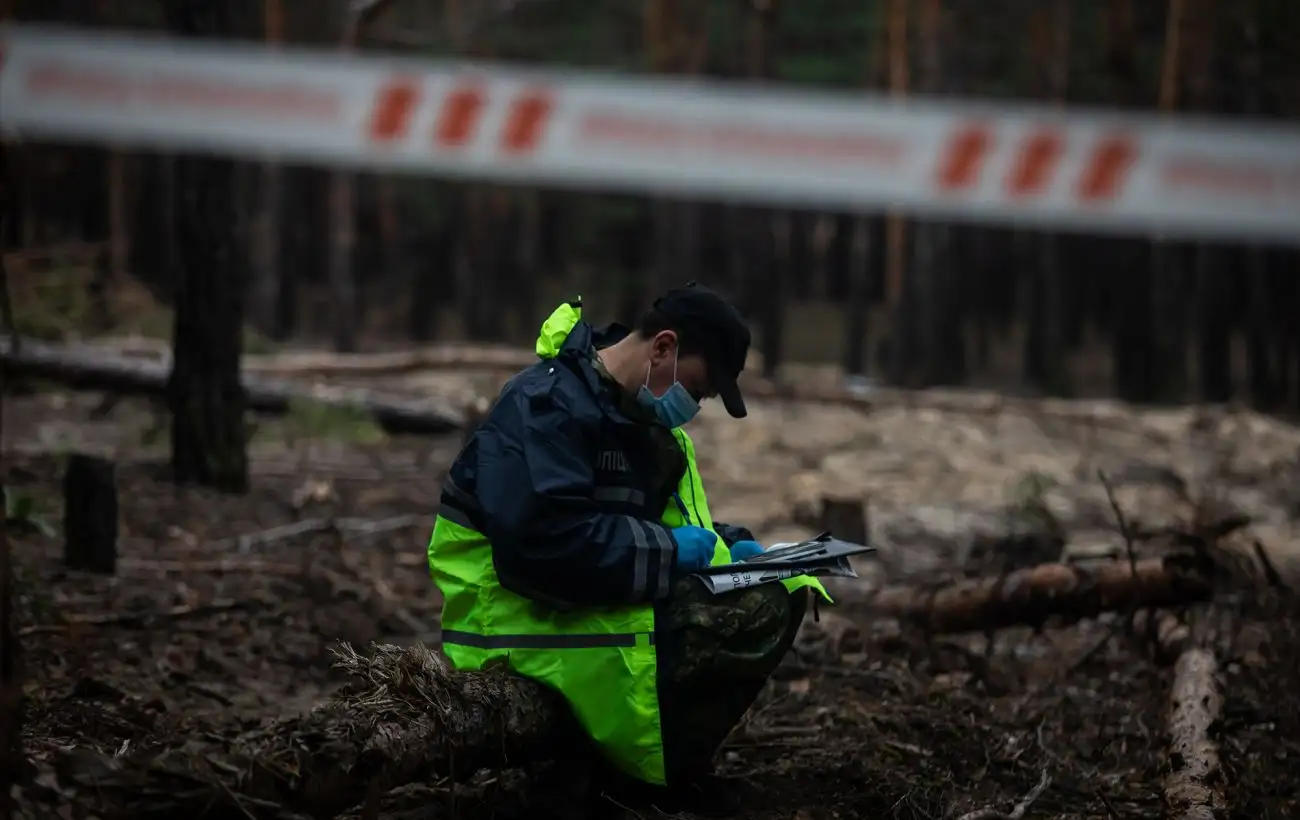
<point x="845" y="518"/>
<point x="90" y="514"/>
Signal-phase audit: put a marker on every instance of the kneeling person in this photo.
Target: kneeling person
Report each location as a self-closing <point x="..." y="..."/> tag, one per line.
<point x="572" y="517"/>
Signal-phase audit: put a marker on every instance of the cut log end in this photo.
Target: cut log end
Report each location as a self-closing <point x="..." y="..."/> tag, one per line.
<point x="90" y="514"/>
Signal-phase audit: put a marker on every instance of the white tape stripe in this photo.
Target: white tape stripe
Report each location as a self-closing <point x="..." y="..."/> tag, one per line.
<point x="1075" y="170"/>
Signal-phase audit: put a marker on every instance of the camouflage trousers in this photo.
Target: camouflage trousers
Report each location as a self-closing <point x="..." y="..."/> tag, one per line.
<point x="716" y="654"/>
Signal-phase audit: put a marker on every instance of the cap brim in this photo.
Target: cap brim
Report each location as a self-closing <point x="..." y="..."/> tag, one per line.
<point x="729" y="392"/>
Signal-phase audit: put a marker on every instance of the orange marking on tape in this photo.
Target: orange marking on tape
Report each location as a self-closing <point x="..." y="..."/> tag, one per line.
<point x="528" y="116"/>
<point x="963" y="159"/>
<point x="1035" y="163"/>
<point x="394" y="107"/>
<point x="1107" y="168"/>
<point x="459" y="116"/>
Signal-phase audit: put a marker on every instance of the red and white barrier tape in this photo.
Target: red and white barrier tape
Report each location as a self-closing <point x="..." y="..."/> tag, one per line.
<point x="1094" y="171"/>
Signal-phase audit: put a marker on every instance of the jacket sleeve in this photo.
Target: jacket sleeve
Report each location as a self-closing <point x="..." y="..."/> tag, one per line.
<point x="730" y="533"/>
<point x="550" y="540"/>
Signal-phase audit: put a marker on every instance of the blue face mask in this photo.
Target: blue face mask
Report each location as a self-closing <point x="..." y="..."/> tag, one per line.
<point x="675" y="407"/>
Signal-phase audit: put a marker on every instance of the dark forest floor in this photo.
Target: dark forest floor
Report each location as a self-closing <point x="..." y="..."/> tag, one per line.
<point x="199" y="633"/>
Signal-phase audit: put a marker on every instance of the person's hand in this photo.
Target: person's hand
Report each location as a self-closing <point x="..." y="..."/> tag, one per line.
<point x="694" y="547"/>
<point x="744" y="550"/>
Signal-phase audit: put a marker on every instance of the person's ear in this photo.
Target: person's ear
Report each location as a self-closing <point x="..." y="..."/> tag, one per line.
<point x="663" y="346"/>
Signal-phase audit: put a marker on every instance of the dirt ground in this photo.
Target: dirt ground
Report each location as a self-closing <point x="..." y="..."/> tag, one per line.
<point x="216" y="620"/>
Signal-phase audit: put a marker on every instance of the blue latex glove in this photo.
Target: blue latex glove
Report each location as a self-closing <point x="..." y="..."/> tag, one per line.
<point x="694" y="547"/>
<point x="744" y="550"/>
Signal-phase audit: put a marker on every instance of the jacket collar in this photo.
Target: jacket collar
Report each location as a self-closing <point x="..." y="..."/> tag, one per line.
<point x="579" y="352"/>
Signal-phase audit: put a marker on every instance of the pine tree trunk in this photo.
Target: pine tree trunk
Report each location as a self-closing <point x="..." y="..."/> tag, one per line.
<point x="767" y="291"/>
<point x="342" y="242"/>
<point x="1261" y="361"/>
<point x="1210" y="324"/>
<point x="858" y="306"/>
<point x="204" y="393"/>
<point x="12" y="760"/>
<point x="926" y="305"/>
<point x="1259" y="341"/>
<point x="773" y="237"/>
<point x="431" y="263"/>
<point x="800" y="262"/>
<point x="1045" y="355"/>
<point x="266" y="274"/>
<point x="901" y="345"/>
<point x="526" y="263"/>
<point x="1214" y="327"/>
<point x="1167" y="355"/>
<point x="1130" y="283"/>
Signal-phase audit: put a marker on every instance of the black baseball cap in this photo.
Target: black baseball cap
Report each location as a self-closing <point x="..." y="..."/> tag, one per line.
<point x="714" y="327"/>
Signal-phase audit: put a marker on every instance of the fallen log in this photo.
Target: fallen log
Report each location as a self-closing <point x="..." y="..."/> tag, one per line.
<point x="478" y="357"/>
<point x="90" y="369"/>
<point x="1031" y="596"/>
<point x="1103" y="413"/>
<point x="451" y="355"/>
<point x="405" y="718"/>
<point x="1194" y="780"/>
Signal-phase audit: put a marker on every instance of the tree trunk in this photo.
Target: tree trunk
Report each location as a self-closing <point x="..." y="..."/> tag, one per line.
<point x="1168" y="353"/>
<point x="858" y="306"/>
<point x="266" y="268"/>
<point x="901" y="348"/>
<point x="342" y="242"/>
<point x="12" y="759"/>
<point x="1130" y="282"/>
<point x="765" y="294"/>
<point x="204" y="393"/>
<point x="525" y="266"/>
<point x="1214" y="327"/>
<point x="773" y="237"/>
<point x="1045" y="355"/>
<point x="1259" y="341"/>
<point x="432" y="260"/>
<point x="1264" y="377"/>
<point x="800" y="259"/>
<point x="474" y="274"/>
<point x="404" y="718"/>
<point x="926" y="304"/>
<point x="342" y="203"/>
<point x="1212" y="286"/>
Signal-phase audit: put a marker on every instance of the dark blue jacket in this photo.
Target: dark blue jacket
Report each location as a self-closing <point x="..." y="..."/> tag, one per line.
<point x="569" y="489"/>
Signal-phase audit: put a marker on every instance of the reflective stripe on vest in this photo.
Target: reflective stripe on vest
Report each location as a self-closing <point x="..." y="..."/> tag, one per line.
<point x="546" y="641"/>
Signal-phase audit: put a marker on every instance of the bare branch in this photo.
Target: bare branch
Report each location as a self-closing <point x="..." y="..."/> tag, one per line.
<point x="1018" y="811"/>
